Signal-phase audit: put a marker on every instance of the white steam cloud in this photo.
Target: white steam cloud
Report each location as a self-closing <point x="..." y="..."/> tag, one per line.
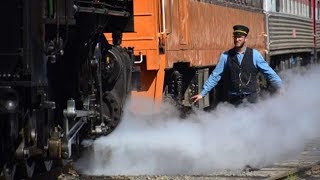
<point x="225" y="138"/>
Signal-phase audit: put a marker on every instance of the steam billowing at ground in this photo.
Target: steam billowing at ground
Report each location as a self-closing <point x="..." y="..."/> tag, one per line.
<point x="225" y="138"/>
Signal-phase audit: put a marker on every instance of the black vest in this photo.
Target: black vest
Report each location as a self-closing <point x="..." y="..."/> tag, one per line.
<point x="242" y="78"/>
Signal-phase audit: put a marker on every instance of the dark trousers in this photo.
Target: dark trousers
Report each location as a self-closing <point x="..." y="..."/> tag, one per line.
<point x="238" y="99"/>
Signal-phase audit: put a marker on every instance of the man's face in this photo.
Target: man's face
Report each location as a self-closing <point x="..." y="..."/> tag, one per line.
<point x="239" y="40"/>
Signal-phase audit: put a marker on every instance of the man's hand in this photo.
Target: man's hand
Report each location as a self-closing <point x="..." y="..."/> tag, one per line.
<point x="281" y="91"/>
<point x="196" y="98"/>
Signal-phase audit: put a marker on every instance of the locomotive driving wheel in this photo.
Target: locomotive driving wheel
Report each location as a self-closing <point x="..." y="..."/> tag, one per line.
<point x="9" y="135"/>
<point x="112" y="111"/>
<point x="27" y="167"/>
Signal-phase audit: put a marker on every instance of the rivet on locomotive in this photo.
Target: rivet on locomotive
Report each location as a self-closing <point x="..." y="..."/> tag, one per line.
<point x="60" y="80"/>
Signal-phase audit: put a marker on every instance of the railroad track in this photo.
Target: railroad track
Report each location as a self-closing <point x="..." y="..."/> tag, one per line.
<point x="305" y="166"/>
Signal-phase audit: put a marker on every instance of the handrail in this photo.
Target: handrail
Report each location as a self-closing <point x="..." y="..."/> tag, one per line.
<point x="163" y="17"/>
<point x="141" y="58"/>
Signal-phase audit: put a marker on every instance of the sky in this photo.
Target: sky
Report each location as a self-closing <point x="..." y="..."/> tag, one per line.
<point x="160" y="143"/>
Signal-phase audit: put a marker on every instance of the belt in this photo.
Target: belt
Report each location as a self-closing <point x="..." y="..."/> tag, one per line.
<point x="239" y="95"/>
<point x="238" y="98"/>
<point x="243" y="95"/>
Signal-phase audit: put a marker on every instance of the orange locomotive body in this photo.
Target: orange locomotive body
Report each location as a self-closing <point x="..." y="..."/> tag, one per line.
<point x="178" y="42"/>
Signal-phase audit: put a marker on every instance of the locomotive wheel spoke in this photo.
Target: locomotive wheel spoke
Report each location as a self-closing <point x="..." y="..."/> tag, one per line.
<point x="9" y="171"/>
<point x="48" y="165"/>
<point x="30" y="166"/>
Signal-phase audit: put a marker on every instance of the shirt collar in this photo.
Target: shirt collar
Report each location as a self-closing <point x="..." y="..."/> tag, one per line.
<point x="245" y="48"/>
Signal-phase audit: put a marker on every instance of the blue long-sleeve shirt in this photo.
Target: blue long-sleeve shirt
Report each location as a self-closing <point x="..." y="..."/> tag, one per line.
<point x="258" y="62"/>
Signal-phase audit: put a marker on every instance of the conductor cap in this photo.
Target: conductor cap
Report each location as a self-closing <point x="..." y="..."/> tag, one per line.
<point x="240" y="30"/>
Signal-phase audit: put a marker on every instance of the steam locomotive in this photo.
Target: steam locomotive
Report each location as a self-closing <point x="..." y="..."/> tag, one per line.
<point x="60" y="79"/>
<point x="65" y="74"/>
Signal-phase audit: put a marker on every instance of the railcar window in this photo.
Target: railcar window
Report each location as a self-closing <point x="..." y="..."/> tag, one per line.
<point x="249" y="3"/>
<point x="277" y="5"/>
<point x="253" y="4"/>
<point x="257" y="4"/>
<point x="310" y="10"/>
<point x="318" y="14"/>
<point x="296" y="7"/>
<point x="168" y="15"/>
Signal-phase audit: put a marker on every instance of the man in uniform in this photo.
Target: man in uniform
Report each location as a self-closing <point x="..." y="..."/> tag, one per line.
<point x="241" y="65"/>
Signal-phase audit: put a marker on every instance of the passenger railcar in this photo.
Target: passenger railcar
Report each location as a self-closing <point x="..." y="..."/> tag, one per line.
<point x="291" y="33"/>
<point x="178" y="42"/>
